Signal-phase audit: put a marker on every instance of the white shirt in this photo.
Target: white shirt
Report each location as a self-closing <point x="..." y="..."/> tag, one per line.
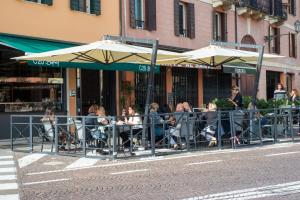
<point x="136" y="121"/>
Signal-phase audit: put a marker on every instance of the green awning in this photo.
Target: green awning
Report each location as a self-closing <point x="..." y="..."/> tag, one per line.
<point x="36" y="45"/>
<point x="32" y="45"/>
<point x="96" y="66"/>
<point x="239" y="68"/>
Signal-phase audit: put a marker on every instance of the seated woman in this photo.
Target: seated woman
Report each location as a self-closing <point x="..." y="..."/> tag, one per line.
<point x="171" y="132"/>
<point x="158" y="122"/>
<point x="134" y="121"/>
<point x="91" y="122"/>
<point x="211" y="124"/>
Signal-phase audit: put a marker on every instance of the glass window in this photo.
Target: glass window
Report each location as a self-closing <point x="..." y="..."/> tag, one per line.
<point x="139" y="14"/>
<point x="182" y="19"/>
<point x="28" y="88"/>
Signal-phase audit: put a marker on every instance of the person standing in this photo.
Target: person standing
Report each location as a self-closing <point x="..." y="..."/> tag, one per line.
<point x="279" y="92"/>
<point x="294" y="97"/>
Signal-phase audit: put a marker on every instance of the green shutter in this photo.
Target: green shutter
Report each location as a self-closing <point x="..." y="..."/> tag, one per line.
<point x="96" y="7"/>
<point x="48" y="2"/>
<point x="191" y="20"/>
<point x="176" y="17"/>
<point x="132" y="13"/>
<point x="74" y="4"/>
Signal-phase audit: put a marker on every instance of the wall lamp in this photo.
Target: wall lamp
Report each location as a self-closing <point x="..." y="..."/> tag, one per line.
<point x="268" y="38"/>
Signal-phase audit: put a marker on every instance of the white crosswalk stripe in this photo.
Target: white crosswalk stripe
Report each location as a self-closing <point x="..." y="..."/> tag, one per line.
<point x="8" y="185"/>
<point x="82" y="162"/>
<point x="29" y="159"/>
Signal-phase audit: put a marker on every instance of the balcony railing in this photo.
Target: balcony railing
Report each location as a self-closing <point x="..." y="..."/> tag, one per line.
<point x="257" y="5"/>
<point x="278" y="11"/>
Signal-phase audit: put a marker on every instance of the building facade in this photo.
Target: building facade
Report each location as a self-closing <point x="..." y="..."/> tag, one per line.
<point x="31" y="26"/>
<point x="187" y="24"/>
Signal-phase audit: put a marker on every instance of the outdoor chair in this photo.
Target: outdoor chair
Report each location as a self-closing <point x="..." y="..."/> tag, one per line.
<point x="48" y="134"/>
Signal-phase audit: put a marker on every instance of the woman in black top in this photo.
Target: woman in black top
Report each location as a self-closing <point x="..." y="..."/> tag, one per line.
<point x="236" y="98"/>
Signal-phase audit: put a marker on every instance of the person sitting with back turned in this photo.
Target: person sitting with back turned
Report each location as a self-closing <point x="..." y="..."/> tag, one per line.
<point x="210" y="129"/>
<point x="91" y="121"/>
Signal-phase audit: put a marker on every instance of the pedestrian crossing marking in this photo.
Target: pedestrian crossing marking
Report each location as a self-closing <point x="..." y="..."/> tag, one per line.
<point x="82" y="162"/>
<point x="29" y="159"/>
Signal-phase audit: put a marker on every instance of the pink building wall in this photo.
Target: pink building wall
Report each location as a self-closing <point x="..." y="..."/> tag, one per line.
<point x="165" y="25"/>
<point x="257" y="28"/>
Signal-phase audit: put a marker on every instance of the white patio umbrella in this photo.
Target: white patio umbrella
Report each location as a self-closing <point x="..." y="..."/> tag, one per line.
<point x="103" y="52"/>
<point x="213" y="56"/>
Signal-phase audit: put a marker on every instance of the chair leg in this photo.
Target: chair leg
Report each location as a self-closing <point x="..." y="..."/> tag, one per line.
<point x="42" y="143"/>
<point x="52" y="143"/>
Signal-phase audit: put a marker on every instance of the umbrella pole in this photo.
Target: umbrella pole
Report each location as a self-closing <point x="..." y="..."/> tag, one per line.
<point x="149" y="91"/>
<point x="257" y="75"/>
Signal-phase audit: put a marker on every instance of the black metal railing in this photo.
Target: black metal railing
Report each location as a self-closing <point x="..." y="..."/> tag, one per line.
<point x="165" y="133"/>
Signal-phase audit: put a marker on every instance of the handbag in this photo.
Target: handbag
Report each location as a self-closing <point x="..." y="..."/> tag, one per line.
<point x="98" y="135"/>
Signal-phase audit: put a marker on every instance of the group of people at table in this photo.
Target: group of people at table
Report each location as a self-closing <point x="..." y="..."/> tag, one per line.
<point x="131" y="124"/>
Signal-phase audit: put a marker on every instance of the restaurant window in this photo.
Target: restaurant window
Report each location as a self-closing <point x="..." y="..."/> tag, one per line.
<point x="88" y="6"/>
<point x="159" y="88"/>
<point x="185" y="86"/>
<point x="219" y="26"/>
<point x="143" y="14"/>
<point x="47" y="2"/>
<point x="25" y="88"/>
<point x="273" y="78"/>
<point x="292" y="46"/>
<point x="216" y="84"/>
<point x="184" y="19"/>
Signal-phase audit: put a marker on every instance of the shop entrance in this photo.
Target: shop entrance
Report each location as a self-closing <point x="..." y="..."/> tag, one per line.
<point x="98" y="87"/>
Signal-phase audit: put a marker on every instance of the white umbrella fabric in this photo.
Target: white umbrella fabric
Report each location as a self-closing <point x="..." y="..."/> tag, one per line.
<point x="213" y="56"/>
<point x="103" y="52"/>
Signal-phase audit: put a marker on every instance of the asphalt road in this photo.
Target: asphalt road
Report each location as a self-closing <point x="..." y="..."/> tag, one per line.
<point x="270" y="173"/>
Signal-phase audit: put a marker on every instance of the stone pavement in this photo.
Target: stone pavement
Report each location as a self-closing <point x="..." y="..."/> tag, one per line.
<point x="8" y="178"/>
<point x="251" y="173"/>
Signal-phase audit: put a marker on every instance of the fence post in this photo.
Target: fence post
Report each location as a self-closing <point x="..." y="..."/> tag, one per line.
<point x="232" y="129"/>
<point x="84" y="135"/>
<point x="56" y="136"/>
<point x="152" y="135"/>
<point x="130" y="139"/>
<point x="275" y="126"/>
<point x="115" y="153"/>
<point x="219" y="130"/>
<point x="30" y="134"/>
<point x="259" y="130"/>
<point x="291" y="123"/>
<point x="187" y="123"/>
<point x="11" y="133"/>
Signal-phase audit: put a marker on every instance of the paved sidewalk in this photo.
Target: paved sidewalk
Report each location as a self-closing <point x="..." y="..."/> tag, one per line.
<point x="8" y="178"/>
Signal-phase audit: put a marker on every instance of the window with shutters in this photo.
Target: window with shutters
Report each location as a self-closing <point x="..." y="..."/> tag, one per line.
<point x="47" y="2"/>
<point x="183" y="19"/>
<point x="220" y="27"/>
<point x="88" y="6"/>
<point x="292" y="7"/>
<point x="292" y="45"/>
<point x="276" y="40"/>
<point x="143" y="14"/>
